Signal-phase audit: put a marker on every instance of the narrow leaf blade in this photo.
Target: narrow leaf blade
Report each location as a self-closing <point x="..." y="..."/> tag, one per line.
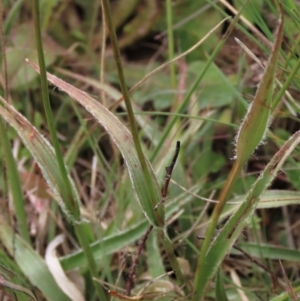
<point x="227" y="236"/>
<point x="123" y="140"/>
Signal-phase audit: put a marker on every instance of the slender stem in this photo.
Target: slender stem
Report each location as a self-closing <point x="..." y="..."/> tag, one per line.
<point x="169" y="170"/>
<point x="102" y="55"/>
<point x="114" y="41"/>
<point x="3" y="51"/>
<point x="2" y="131"/>
<point x="71" y="203"/>
<point x="129" y="283"/>
<point x="171" y="47"/>
<point x="170" y="252"/>
<point x="15" y="184"/>
<point x="169" y="249"/>
<point x="130" y="114"/>
<point x="80" y="231"/>
<point x="10" y="170"/>
<point x="214" y="221"/>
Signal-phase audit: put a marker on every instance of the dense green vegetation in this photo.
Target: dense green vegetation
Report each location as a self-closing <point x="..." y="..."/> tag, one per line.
<point x="100" y="200"/>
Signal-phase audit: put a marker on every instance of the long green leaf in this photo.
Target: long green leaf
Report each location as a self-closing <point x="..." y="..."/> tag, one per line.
<point x="150" y="186"/>
<point x="105" y="246"/>
<point x="249" y="136"/>
<point x="227" y="236"/>
<point x="257" y="119"/>
<point x="42" y="152"/>
<point x="273" y="199"/>
<point x="124" y="142"/>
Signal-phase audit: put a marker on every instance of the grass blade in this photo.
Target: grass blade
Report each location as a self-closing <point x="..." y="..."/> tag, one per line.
<point x="70" y="201"/>
<point x="42" y="152"/>
<point x="145" y="168"/>
<point x="225" y="240"/>
<point x="124" y="142"/>
<point x="249" y="136"/>
<point x="256" y="122"/>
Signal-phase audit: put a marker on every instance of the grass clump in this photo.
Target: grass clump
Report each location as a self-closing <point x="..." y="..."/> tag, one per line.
<point x="204" y="224"/>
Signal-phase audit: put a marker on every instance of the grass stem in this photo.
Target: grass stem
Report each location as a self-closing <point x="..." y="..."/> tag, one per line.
<point x="159" y="213"/>
<point x="71" y="203"/>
